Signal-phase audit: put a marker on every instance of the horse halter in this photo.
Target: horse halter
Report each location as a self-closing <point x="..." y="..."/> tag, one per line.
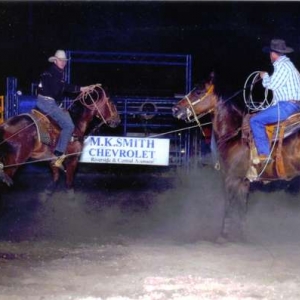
<point x="191" y="104"/>
<point x="191" y="111"/>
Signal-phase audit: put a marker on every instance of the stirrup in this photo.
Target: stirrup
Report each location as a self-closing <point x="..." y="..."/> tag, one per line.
<point x="59" y="161"/>
<point x="262" y="159"/>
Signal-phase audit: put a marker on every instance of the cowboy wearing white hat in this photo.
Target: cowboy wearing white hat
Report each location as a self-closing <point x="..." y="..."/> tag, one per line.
<point x="285" y="84"/>
<point x="51" y="90"/>
<point x="59" y="54"/>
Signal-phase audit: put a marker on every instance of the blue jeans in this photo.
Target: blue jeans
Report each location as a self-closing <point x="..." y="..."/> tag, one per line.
<point x="63" y="119"/>
<point x="279" y="112"/>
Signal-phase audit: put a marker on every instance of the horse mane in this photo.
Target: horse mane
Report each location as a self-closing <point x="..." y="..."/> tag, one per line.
<point x="229" y="113"/>
<point x="228" y="120"/>
<point x="2" y="143"/>
<point x="76" y="110"/>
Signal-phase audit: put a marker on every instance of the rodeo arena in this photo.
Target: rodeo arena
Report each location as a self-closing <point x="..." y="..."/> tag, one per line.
<point x="150" y="203"/>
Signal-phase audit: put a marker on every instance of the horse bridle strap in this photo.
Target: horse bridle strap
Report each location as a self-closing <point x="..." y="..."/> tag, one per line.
<point x="194" y="114"/>
<point x="209" y="91"/>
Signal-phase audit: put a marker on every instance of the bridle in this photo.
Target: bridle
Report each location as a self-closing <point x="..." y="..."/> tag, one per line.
<point x="191" y="110"/>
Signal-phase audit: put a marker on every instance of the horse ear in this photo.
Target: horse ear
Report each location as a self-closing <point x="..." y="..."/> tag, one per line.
<point x="200" y="84"/>
<point x="212" y="75"/>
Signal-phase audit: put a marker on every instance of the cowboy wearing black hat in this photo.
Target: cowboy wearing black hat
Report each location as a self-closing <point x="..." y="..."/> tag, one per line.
<point x="285" y="85"/>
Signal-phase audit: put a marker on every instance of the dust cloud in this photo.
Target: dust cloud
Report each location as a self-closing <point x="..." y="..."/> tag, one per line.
<point x="273" y="217"/>
<point x="183" y="205"/>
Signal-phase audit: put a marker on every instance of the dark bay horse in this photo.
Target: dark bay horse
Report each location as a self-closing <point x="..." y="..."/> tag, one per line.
<point x="234" y="152"/>
<point x="21" y="136"/>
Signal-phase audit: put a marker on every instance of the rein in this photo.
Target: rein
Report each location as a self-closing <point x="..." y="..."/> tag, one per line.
<point x="209" y="92"/>
<point x="225" y="138"/>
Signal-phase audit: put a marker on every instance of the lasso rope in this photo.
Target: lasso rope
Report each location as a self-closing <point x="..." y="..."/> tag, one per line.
<point x="249" y="100"/>
<point x="80" y="152"/>
<point x="273" y="146"/>
<point x="262" y="106"/>
<point x="84" y="96"/>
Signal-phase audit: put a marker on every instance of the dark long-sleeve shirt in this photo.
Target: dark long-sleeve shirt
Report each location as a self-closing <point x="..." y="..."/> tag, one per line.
<point x="52" y="84"/>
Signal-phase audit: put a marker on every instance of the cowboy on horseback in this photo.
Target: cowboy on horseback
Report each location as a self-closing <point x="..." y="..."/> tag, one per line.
<point x="51" y="89"/>
<point x="285" y="84"/>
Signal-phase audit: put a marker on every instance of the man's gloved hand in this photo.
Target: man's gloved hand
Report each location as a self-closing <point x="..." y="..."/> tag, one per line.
<point x="89" y="88"/>
<point x="85" y="89"/>
<point x="262" y="74"/>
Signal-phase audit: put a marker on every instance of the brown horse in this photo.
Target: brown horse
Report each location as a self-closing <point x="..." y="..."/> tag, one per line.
<point x="233" y="152"/>
<point x="20" y="136"/>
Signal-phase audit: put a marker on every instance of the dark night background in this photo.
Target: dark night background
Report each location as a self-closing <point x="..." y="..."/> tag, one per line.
<point x="225" y="36"/>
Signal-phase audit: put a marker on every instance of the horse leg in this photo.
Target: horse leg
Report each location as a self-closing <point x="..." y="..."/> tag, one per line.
<point x="74" y="149"/>
<point x="11" y="163"/>
<point x="4" y="177"/>
<point x="70" y="174"/>
<point x="51" y="187"/>
<point x="237" y="191"/>
<point x="4" y="188"/>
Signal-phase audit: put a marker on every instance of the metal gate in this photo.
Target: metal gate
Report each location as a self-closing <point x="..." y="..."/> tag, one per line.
<point x="144" y="87"/>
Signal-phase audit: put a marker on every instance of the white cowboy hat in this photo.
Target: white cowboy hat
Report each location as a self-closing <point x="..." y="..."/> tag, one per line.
<point x="59" y="54"/>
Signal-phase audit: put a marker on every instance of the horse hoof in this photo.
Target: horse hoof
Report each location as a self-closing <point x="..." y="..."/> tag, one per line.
<point x="48" y="192"/>
<point x="231" y="238"/>
<point x="43" y="197"/>
<point x="7" y="180"/>
<point x="71" y="194"/>
<point x="221" y="240"/>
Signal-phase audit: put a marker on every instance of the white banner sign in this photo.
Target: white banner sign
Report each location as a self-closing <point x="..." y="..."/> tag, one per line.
<point x="126" y="150"/>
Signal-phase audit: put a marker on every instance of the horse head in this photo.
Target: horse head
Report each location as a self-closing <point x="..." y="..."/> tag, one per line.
<point x="226" y="118"/>
<point x="199" y="101"/>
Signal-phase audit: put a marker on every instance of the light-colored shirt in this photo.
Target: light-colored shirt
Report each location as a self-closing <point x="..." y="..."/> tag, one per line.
<point x="284" y="82"/>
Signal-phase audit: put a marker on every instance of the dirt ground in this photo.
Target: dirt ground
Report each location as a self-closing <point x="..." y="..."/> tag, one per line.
<point x="145" y="235"/>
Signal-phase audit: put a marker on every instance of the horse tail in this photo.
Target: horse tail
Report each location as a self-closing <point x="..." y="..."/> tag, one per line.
<point x="4" y="149"/>
<point x="2" y="144"/>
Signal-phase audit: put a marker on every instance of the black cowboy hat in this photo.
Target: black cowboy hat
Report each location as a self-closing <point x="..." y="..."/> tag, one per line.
<point x="278" y="46"/>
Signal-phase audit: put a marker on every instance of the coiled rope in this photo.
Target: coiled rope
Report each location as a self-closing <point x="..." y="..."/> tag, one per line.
<point x="249" y="102"/>
<point x="93" y="96"/>
<point x="262" y="106"/>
